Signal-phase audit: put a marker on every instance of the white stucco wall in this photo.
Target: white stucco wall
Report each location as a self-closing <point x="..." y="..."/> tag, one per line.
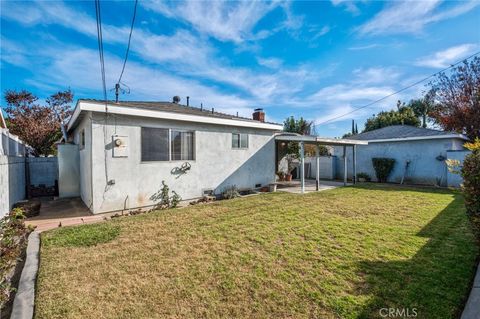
<point x="85" y="158"/>
<point x="216" y="164"/>
<point x="424" y="168"/>
<point x="12" y="182"/>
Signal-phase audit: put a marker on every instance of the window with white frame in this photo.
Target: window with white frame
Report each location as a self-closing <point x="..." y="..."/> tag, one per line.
<point x="182" y="145"/>
<point x="239" y="140"/>
<point x="163" y="144"/>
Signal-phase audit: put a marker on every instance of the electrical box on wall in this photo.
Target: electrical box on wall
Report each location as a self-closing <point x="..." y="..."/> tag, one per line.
<point x="120" y="146"/>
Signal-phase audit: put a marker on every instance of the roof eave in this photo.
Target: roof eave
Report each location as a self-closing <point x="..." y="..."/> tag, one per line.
<point x="131" y="111"/>
<point x="417" y="138"/>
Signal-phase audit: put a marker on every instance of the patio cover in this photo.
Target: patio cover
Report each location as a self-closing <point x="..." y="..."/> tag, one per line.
<point x="317" y="140"/>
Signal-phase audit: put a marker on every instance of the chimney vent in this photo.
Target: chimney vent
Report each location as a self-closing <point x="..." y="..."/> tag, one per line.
<point x="188" y="101"/>
<point x="259" y="115"/>
<point x="176" y="99"/>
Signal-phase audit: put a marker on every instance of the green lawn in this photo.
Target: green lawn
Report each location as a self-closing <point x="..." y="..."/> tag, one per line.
<point x="343" y="253"/>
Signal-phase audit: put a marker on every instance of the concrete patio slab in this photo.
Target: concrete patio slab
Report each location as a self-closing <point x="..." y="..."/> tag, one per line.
<point x="65" y="211"/>
<point x="310" y="186"/>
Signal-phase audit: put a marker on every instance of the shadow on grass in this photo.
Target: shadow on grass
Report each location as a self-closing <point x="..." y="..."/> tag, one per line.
<point x="436" y="281"/>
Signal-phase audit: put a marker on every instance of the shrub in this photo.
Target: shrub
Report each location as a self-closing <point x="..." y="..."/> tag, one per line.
<point x="471" y="177"/>
<point x="364" y="176"/>
<point x="383" y="167"/>
<point x="163" y="199"/>
<point x="13" y="242"/>
<point x="230" y="192"/>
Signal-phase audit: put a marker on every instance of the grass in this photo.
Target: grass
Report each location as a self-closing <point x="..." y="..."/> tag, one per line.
<point x="344" y="253"/>
<point x="88" y="235"/>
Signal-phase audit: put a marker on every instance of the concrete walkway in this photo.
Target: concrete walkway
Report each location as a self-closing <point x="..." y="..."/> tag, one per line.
<point x="64" y="212"/>
<point x="472" y="308"/>
<point x="310" y="186"/>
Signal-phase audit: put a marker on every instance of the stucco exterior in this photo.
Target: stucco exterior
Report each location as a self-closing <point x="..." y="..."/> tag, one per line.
<point x="424" y="167"/>
<point x="109" y="183"/>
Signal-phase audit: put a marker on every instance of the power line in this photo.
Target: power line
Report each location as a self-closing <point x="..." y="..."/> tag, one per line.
<point x="129" y="40"/>
<point x="396" y="92"/>
<point x="100" y="49"/>
<point x="105" y="98"/>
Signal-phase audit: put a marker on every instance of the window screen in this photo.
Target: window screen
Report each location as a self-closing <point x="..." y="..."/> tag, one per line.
<point x="182" y="146"/>
<point x="155" y="146"/>
<point x="239" y="140"/>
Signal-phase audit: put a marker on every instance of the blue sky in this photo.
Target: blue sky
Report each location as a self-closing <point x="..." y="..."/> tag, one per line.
<point x="316" y="59"/>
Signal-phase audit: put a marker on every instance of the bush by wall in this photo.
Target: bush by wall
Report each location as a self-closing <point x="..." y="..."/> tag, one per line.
<point x="471" y="177"/>
<point x="383" y="167"/>
<point x="13" y="242"/>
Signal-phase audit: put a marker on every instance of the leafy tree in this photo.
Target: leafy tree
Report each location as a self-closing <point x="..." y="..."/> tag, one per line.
<point x="291" y="150"/>
<point x="37" y="125"/>
<point x="300" y="126"/>
<point x="424" y="107"/>
<point x="404" y="115"/>
<point x="458" y="98"/>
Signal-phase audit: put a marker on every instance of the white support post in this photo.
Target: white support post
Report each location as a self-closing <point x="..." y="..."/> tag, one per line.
<point x="302" y="166"/>
<point x="354" y="158"/>
<point x="317" y="175"/>
<point x="345" y="165"/>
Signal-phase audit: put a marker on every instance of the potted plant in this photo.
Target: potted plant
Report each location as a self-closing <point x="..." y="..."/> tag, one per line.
<point x="290" y="166"/>
<point x="281" y="176"/>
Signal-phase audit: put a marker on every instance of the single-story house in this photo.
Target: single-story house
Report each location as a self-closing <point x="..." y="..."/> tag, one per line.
<point x="419" y="154"/>
<point x="119" y="153"/>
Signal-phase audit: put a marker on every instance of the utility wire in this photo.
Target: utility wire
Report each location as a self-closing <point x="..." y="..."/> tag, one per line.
<point x="396" y="92"/>
<point x="102" y="67"/>
<point x="129" y="40"/>
<point x="100" y="49"/>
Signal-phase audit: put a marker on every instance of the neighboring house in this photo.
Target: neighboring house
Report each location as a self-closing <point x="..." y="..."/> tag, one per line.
<point x="424" y="149"/>
<point x="120" y="157"/>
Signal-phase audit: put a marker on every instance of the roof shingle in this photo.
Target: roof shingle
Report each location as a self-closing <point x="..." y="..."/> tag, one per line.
<point x="399" y="131"/>
<point x="174" y="108"/>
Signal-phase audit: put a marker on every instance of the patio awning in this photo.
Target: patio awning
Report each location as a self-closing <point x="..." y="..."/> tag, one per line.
<point x="317" y="139"/>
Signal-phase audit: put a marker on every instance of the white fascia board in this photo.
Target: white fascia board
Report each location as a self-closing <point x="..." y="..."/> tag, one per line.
<point x="418" y="138"/>
<point x="320" y="140"/>
<point x="131" y="111"/>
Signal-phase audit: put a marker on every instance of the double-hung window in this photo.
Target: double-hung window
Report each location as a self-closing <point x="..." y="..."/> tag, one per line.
<point x="239" y="140"/>
<point x="182" y="145"/>
<point x="163" y="144"/>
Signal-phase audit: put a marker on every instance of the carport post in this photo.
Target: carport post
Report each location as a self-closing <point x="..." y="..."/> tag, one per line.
<point x="317" y="175"/>
<point x="302" y="167"/>
<point x="345" y="165"/>
<point x="354" y="158"/>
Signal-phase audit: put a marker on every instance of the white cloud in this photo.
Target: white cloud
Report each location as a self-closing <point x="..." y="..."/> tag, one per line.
<point x="350" y="6"/>
<point x="224" y="20"/>
<point x="364" y="47"/>
<point x="412" y="16"/>
<point x="273" y="63"/>
<point x="375" y="75"/>
<point x="183" y="53"/>
<point x="445" y="58"/>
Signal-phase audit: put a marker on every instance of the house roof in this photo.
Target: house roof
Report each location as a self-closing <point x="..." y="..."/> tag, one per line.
<point x="404" y="132"/>
<point x="167" y="110"/>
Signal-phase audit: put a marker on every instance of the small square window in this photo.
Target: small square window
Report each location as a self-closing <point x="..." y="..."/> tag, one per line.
<point x="239" y="140"/>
